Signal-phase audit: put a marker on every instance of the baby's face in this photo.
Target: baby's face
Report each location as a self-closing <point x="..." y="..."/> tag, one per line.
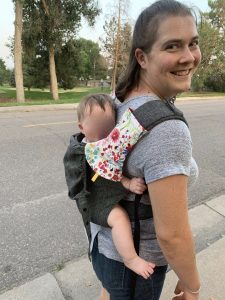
<point x="98" y="123"/>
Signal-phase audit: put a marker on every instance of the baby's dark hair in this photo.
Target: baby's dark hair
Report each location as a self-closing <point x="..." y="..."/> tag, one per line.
<point x="91" y="100"/>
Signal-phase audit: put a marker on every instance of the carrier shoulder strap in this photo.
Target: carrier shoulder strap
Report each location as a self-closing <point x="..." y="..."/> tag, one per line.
<point x="149" y="115"/>
<point x="155" y="112"/>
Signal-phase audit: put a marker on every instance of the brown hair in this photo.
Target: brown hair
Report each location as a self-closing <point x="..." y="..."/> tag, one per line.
<point x="144" y="36"/>
<point x="94" y="99"/>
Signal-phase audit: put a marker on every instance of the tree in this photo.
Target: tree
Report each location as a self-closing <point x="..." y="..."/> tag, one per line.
<point x="210" y="74"/>
<point x="217" y="14"/>
<point x="79" y="59"/>
<point x="217" y="18"/>
<point x="67" y="64"/>
<point x="36" y="70"/>
<point x="208" y="41"/>
<point x="216" y="81"/>
<point x="55" y="21"/>
<point x="35" y="66"/>
<point x="117" y="40"/>
<point x="4" y="73"/>
<point x="18" y="51"/>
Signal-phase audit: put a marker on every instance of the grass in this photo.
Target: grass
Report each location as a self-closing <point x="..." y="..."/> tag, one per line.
<point x="43" y="97"/>
<point x="40" y="97"/>
<point x="59" y="267"/>
<point x="201" y="94"/>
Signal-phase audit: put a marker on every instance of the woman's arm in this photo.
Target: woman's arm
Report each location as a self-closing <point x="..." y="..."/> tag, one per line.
<point x="170" y="209"/>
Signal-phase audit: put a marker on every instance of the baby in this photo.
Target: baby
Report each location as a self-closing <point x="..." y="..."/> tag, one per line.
<point x="96" y="119"/>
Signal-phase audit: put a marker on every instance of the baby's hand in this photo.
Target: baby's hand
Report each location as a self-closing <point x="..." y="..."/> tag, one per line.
<point x="137" y="185"/>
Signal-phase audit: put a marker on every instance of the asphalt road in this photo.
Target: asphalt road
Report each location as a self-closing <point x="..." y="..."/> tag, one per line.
<point x="40" y="228"/>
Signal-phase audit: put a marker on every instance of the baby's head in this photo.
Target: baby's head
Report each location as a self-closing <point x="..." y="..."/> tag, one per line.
<point x="96" y="116"/>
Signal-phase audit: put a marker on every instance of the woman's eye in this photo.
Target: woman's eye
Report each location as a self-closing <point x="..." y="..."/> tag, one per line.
<point x="172" y="47"/>
<point x="194" y="43"/>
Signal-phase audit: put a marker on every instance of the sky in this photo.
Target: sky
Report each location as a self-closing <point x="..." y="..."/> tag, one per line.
<point x="135" y="7"/>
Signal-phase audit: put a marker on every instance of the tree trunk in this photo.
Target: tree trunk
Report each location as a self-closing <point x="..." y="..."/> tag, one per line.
<point x="53" y="77"/>
<point x="114" y="76"/>
<point x="18" y="52"/>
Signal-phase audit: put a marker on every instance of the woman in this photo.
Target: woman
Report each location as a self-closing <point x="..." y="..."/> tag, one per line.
<point x="163" y="58"/>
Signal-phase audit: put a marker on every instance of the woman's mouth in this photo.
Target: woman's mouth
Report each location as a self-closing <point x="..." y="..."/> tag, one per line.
<point x="181" y="73"/>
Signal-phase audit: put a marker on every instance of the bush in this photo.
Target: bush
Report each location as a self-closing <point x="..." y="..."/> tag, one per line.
<point x="215" y="82"/>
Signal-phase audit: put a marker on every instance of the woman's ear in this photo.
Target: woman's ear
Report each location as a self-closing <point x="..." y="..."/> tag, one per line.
<point x="140" y="57"/>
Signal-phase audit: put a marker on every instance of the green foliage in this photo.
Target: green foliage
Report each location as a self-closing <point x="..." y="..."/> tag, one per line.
<point x="35" y="70"/>
<point x="217" y="14"/>
<point x="50" y="22"/>
<point x="4" y="73"/>
<point x="47" y="25"/>
<point x="91" y="65"/>
<point x="77" y="59"/>
<point x="37" y="97"/>
<point x="209" y="75"/>
<point x="110" y="40"/>
<point x="12" y="80"/>
<point x="216" y="81"/>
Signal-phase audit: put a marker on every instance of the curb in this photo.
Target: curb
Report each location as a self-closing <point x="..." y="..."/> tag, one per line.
<point x="41" y="288"/>
<point x="77" y="281"/>
<point x="73" y="106"/>
<point x="47" y="107"/>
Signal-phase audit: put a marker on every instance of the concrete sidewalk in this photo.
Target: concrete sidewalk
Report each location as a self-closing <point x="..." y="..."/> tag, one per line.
<point x="78" y="282"/>
<point x="73" y="106"/>
<point x="47" y="107"/>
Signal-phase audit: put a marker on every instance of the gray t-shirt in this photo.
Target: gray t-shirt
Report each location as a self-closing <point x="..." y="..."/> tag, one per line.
<point x="165" y="151"/>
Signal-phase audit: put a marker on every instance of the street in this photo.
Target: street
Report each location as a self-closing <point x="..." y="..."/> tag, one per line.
<point x="40" y="228"/>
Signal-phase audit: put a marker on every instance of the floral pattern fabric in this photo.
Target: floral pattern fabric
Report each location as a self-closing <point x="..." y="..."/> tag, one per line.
<point x="106" y="156"/>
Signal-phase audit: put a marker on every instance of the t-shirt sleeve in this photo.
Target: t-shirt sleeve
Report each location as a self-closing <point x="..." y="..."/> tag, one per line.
<point x="169" y="151"/>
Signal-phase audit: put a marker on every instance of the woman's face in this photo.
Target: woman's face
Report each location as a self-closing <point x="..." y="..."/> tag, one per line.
<point x="168" y="68"/>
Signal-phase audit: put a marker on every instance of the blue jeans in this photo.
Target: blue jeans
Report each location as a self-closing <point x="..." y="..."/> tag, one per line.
<point x="117" y="279"/>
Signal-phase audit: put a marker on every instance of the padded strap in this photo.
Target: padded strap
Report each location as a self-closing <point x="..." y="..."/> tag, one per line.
<point x="136" y="242"/>
<point x="149" y="115"/>
<point x="155" y="112"/>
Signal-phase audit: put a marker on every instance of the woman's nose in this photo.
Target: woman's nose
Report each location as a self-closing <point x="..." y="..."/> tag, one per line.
<point x="187" y="56"/>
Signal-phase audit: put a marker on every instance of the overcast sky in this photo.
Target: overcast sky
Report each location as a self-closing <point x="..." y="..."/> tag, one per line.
<point x="135" y="7"/>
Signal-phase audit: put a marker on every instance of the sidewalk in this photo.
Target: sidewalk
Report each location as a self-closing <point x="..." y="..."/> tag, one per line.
<point x="78" y="282"/>
<point x="47" y="107"/>
<point x="71" y="106"/>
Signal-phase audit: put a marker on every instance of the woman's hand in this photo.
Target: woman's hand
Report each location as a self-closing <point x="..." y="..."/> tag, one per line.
<point x="181" y="294"/>
<point x="179" y="288"/>
<point x="186" y="296"/>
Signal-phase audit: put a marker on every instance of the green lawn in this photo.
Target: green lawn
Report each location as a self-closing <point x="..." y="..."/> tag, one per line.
<point x="37" y="96"/>
<point x="201" y="94"/>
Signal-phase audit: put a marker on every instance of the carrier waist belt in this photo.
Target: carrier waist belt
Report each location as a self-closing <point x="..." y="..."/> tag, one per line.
<point x="144" y="210"/>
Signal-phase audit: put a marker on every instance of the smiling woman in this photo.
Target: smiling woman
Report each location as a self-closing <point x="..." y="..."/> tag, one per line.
<point x="163" y="57"/>
<point x="168" y="68"/>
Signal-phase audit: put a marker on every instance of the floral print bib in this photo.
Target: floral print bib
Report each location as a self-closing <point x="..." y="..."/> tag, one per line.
<point x="106" y="156"/>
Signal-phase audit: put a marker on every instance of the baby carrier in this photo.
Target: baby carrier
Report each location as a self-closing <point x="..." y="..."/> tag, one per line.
<point x="88" y="194"/>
